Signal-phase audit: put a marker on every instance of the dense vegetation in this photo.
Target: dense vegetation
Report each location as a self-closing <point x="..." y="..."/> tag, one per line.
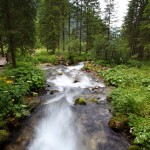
<point x="69" y="31"/>
<point x="15" y="85"/>
<point x="131" y="99"/>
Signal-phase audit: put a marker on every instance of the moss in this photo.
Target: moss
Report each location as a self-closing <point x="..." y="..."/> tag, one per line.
<point x="80" y="101"/>
<point x="4" y="135"/>
<point x="93" y="100"/>
<point x="118" y="123"/>
<point x="134" y="147"/>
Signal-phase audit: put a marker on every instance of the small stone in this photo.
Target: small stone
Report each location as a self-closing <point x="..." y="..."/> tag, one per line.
<point x="96" y="80"/>
<point x="53" y="92"/>
<point x="60" y="73"/>
<point x="75" y="81"/>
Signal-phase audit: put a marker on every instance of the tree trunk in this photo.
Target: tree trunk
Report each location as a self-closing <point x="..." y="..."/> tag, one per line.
<point x="63" y="35"/>
<point x="69" y="27"/>
<point x="77" y="19"/>
<point x="80" y="50"/>
<point x="87" y="31"/>
<point x="1" y="46"/>
<point x="11" y="45"/>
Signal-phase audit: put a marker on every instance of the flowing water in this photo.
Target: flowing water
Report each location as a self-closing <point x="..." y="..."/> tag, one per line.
<point x="65" y="126"/>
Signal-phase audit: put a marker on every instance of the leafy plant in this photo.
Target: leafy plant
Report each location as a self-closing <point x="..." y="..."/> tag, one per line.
<point x="14" y="85"/>
<point x="131" y="98"/>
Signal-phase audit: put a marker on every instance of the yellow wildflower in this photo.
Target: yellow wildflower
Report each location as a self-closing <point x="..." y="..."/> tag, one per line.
<point x="9" y="81"/>
<point x="3" y="78"/>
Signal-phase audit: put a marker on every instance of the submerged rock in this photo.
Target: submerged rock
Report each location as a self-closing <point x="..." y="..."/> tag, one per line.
<point x="93" y="100"/>
<point x="80" y="101"/>
<point x="76" y="80"/>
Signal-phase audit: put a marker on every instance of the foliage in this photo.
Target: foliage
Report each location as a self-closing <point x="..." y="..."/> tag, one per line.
<point x="131" y="97"/>
<point x="140" y="128"/>
<point x="137" y="28"/>
<point x="3" y="135"/>
<point x="74" y="45"/>
<point x="51" y="18"/>
<point x="46" y="58"/>
<point x="75" y="58"/>
<point x="14" y="85"/>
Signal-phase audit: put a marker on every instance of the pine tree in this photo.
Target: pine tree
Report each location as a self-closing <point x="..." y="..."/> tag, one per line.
<point x="109" y="20"/>
<point x="145" y="30"/>
<point x="52" y="22"/>
<point x="132" y="24"/>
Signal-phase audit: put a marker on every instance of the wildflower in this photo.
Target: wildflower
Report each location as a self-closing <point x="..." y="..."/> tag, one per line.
<point x="3" y="78"/>
<point x="9" y="81"/>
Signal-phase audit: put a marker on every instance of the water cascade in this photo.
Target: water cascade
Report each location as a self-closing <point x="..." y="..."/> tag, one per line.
<point x="63" y="126"/>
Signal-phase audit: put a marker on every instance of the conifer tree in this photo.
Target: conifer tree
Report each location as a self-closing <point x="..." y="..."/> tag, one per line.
<point x="52" y="20"/>
<point x="133" y="21"/>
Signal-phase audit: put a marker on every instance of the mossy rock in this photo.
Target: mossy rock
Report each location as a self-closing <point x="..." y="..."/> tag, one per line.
<point x="134" y="147"/>
<point x="80" y="101"/>
<point x="109" y="98"/>
<point x="4" y="135"/>
<point x="118" y="123"/>
<point x="93" y="100"/>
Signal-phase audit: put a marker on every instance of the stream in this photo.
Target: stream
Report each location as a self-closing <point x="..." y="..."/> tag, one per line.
<point x="59" y="124"/>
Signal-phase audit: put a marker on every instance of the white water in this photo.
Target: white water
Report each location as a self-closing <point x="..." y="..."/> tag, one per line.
<point x="59" y="128"/>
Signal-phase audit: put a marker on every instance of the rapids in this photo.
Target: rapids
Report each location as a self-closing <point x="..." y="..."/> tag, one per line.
<point x="65" y="126"/>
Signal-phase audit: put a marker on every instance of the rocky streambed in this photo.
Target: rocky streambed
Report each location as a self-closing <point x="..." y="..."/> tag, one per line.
<point x="62" y="122"/>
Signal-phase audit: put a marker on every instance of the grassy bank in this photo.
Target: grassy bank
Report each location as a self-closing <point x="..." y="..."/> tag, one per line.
<point x="130" y="101"/>
<point x="15" y="85"/>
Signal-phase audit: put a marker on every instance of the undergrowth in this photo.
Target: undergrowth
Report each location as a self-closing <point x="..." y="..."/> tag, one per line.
<point x="15" y="84"/>
<point x="132" y="97"/>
